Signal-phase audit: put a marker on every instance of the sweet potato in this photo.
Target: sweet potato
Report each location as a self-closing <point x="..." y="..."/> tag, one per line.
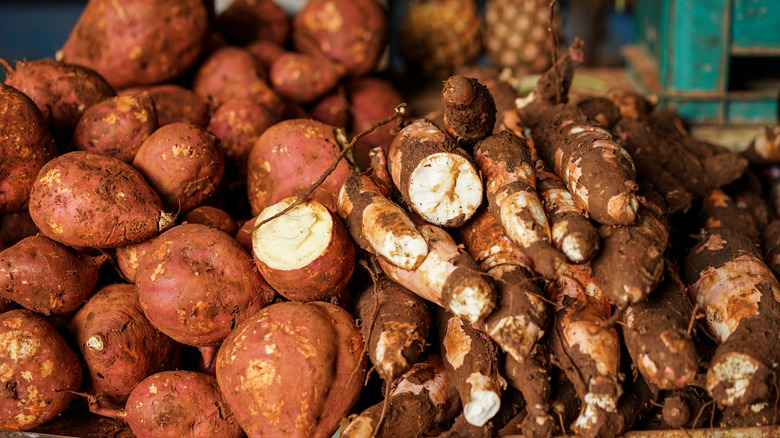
<point x="350" y="32"/>
<point x="16" y="226"/>
<point x="288" y="158"/>
<point x="226" y="64"/>
<point x="172" y="404"/>
<point x="253" y="363"/>
<point x="424" y="397"/>
<point x="47" y="277"/>
<point x="118" y="343"/>
<point x="265" y="51"/>
<point x="87" y="199"/>
<point x="61" y="90"/>
<point x="39" y="371"/>
<point x="371" y="99"/>
<point x="116" y="126"/>
<point x="183" y="273"/>
<point x="212" y="217"/>
<point x="183" y="163"/>
<point x="175" y="103"/>
<point x="138" y="42"/>
<point x="332" y="109"/>
<point x="436" y="179"/>
<point x="26" y="145"/>
<point x="246" y="21"/>
<point x="395" y="326"/>
<point x="128" y="257"/>
<point x="378" y="225"/>
<point x="305" y="254"/>
<point x="302" y="77"/>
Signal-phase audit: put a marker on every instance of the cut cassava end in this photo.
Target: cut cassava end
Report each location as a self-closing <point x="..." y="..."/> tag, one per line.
<point x="504" y="160"/>
<point x="305" y="254"/>
<point x="448" y="277"/>
<point x="571" y="231"/>
<point x="469" y="109"/>
<point x="378" y="225"/>
<point x="435" y="178"/>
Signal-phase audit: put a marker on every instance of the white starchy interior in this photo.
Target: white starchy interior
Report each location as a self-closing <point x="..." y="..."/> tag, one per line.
<point x="736" y="371"/>
<point x="444" y="186"/>
<point x="360" y="427"/>
<point x="294" y="239"/>
<point x="571" y="248"/>
<point x="485" y="400"/>
<point x="470" y="303"/>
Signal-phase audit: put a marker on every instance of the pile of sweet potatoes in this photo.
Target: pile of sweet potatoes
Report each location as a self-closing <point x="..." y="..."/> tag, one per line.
<point x="221" y="222"/>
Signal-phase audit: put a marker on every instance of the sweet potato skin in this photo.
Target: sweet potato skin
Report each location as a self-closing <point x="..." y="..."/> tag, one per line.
<point x="288" y="158"/>
<point x="116" y="126"/>
<point x="302" y="77"/>
<point x="118" y="343"/>
<point x="138" y="42"/>
<point x="175" y="103"/>
<point x="128" y="257"/>
<point x="26" y="145"/>
<point x="372" y="99"/>
<point x="212" y="217"/>
<point x="39" y="373"/>
<point x="245" y="21"/>
<point x="183" y="163"/>
<point x="196" y="284"/>
<point x="172" y="404"/>
<point x="225" y="65"/>
<point x="87" y="199"/>
<point x="47" y="277"/>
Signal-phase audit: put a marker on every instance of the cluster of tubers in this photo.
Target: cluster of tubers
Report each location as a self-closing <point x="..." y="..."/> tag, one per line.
<point x="224" y="239"/>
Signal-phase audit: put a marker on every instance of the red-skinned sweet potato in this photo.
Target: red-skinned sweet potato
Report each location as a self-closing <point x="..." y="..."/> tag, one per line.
<point x="128" y="257"/>
<point x="306" y="254"/>
<point x="253" y="363"/>
<point x="16" y="226"/>
<point x="116" y="126"/>
<point x="87" y="199"/>
<point x="196" y="284"/>
<point x="288" y="158"/>
<point x="47" y="277"/>
<point x="333" y="109"/>
<point x="62" y="92"/>
<point x="138" y="42"/>
<point x="372" y="99"/>
<point x="118" y="343"/>
<point x="265" y="51"/>
<point x="227" y="64"/>
<point x="183" y="163"/>
<point x="245" y="21"/>
<point x="351" y="32"/>
<point x="26" y="144"/>
<point x="212" y="217"/>
<point x="173" y="404"/>
<point x="302" y="77"/>
<point x="39" y="371"/>
<point x="175" y="103"/>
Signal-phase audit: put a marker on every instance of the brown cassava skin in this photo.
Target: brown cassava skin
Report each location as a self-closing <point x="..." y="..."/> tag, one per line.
<point x="224" y="65"/>
<point x="600" y="110"/>
<point x="504" y="160"/>
<point x="532" y="377"/>
<point x="172" y="404"/>
<point x="409" y="156"/>
<point x="246" y="21"/>
<point x="378" y="225"/>
<point x="183" y="163"/>
<point x="630" y="263"/>
<point x="471" y="359"/>
<point x="87" y="199"/>
<point x="288" y="158"/>
<point x="47" y="277"/>
<point x="321" y="278"/>
<point x="26" y="145"/>
<point x="350" y="371"/>
<point x="371" y="99"/>
<point x="212" y="217"/>
<point x="117" y="126"/>
<point x="395" y="322"/>
<point x="656" y="334"/>
<point x="350" y="32"/>
<point x="719" y="209"/>
<point x="40" y="371"/>
<point x="448" y="277"/>
<point x="254" y="363"/>
<point x="16" y="226"/>
<point x="504" y="94"/>
<point x="729" y="280"/>
<point x="379" y="173"/>
<point x="62" y="92"/>
<point x="771" y="245"/>
<point x="138" y="42"/>
<point x="175" y="103"/>
<point x="419" y="400"/>
<point x="469" y="109"/>
<point x="302" y="77"/>
<point x="118" y="343"/>
<point x="571" y="231"/>
<point x="521" y="314"/>
<point x="128" y="257"/>
<point x="196" y="284"/>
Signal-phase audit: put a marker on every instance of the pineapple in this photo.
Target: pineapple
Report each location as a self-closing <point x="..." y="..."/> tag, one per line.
<point x="515" y="34"/>
<point x="438" y="36"/>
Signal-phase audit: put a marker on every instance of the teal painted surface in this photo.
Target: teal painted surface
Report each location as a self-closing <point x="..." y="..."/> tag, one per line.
<point x="755" y="24"/>
<point x="693" y="109"/>
<point x="751" y="110"/>
<point x="696" y="45"/>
